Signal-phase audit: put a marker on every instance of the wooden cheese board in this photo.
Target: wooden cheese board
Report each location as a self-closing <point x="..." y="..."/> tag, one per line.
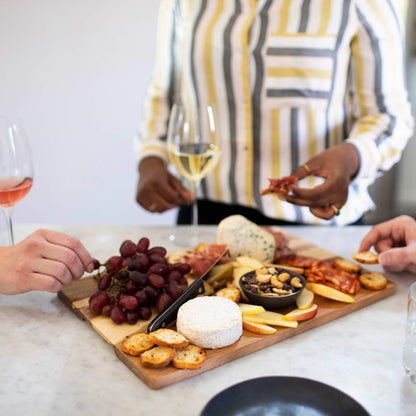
<point x="76" y="296"/>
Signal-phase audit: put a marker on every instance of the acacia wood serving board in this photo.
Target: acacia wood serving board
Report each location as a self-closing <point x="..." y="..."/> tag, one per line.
<point x="76" y="296"/>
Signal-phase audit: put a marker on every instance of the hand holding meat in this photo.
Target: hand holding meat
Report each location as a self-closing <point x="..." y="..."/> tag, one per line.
<point x="395" y="240"/>
<point x="158" y="190"/>
<point x="46" y="260"/>
<point x="337" y="165"/>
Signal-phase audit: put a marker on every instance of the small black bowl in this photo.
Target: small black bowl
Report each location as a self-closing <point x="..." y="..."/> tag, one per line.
<point x="272" y="302"/>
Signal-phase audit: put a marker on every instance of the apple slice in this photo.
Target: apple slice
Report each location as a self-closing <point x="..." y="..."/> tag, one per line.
<point x="270" y="318"/>
<point x="248" y="309"/>
<point x="301" y="314"/>
<point x="259" y="328"/>
<point x="329" y="292"/>
<point x="305" y="299"/>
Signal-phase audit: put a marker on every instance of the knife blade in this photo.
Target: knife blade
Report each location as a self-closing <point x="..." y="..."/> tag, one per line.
<point x="194" y="289"/>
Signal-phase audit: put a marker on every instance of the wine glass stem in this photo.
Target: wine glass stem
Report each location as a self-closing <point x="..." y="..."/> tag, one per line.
<point x="8" y="211"/>
<point x="195" y="205"/>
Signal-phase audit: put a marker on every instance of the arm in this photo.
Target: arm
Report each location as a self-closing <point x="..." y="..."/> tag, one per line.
<point x="157" y="189"/>
<point x="379" y="105"/>
<point x="46" y="260"/>
<point x="395" y="240"/>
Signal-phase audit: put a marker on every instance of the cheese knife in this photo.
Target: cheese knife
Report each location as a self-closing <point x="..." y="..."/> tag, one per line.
<point x="194" y="289"/>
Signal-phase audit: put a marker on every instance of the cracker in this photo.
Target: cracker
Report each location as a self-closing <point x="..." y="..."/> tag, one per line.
<point x="158" y="357"/>
<point x="373" y="280"/>
<point x="137" y="344"/>
<point x="190" y="357"/>
<point x="168" y="338"/>
<point x="365" y="257"/>
<point x="347" y="265"/>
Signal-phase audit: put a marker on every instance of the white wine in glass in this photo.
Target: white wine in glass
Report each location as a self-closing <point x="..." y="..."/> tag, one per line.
<point x="16" y="169"/>
<point x="194" y="150"/>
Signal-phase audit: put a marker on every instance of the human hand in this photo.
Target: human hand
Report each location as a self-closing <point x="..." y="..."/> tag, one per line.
<point x="395" y="240"/>
<point x="46" y="260"/>
<point x="337" y="165"/>
<point x="158" y="190"/>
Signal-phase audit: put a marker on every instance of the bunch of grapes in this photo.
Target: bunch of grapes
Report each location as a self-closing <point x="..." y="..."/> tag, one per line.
<point x="135" y="281"/>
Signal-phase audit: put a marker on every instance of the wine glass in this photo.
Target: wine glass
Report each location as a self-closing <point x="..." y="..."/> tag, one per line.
<point x="194" y="150"/>
<point x="16" y="170"/>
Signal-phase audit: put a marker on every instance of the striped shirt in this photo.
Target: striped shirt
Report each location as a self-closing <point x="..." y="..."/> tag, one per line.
<point x="291" y="78"/>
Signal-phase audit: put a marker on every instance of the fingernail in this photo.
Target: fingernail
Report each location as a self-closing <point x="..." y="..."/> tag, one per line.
<point x="90" y="268"/>
<point x="384" y="258"/>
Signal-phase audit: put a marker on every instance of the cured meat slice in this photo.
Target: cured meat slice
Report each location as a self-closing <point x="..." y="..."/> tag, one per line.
<point x="279" y="186"/>
<point x="338" y="279"/>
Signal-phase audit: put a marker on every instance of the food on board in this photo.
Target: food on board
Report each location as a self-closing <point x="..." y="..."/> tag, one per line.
<point x="140" y="278"/>
<point x="165" y="337"/>
<point x="245" y="238"/>
<point x="373" y="280"/>
<point x="137" y="344"/>
<point x="365" y="257"/>
<point x="190" y="357"/>
<point x="305" y="299"/>
<point x="257" y="328"/>
<point x="158" y="357"/>
<point x="279" y="186"/>
<point x="270" y="318"/>
<point x="301" y="314"/>
<point x="329" y="292"/>
<point x="347" y="265"/>
<point x="210" y="321"/>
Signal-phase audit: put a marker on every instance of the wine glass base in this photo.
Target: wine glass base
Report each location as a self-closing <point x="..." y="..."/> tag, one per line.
<point x="191" y="238"/>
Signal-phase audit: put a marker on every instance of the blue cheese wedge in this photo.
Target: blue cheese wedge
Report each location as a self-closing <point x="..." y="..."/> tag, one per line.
<point x="210" y="321"/>
<point x="245" y="238"/>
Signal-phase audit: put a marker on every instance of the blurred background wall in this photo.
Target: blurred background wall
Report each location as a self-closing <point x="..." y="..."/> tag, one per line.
<point x="76" y="72"/>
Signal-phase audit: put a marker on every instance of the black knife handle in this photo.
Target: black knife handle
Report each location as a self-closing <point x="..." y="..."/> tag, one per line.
<point x="169" y="314"/>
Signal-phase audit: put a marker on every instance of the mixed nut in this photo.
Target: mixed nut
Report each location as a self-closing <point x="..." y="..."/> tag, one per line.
<point x="272" y="281"/>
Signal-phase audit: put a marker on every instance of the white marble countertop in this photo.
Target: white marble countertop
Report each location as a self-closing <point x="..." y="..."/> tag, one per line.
<point x="52" y="363"/>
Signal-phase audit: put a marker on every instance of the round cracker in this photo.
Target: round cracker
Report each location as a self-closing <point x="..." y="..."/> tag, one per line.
<point x="347" y="265"/>
<point x="373" y="280"/>
<point x="365" y="257"/>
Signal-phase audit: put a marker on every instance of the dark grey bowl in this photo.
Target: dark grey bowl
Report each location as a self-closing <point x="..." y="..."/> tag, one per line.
<point x="273" y="302"/>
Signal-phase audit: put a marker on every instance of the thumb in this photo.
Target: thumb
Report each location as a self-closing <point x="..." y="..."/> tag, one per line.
<point x="394" y="257"/>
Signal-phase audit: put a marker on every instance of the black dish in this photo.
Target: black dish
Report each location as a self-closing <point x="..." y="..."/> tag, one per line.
<point x="272" y="302"/>
<point x="283" y="396"/>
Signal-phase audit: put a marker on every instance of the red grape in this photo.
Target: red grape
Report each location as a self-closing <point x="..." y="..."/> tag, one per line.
<point x="151" y="292"/>
<point x="157" y="258"/>
<point x="127" y="302"/>
<point x="132" y="317"/>
<point x="144" y="312"/>
<point x="141" y="297"/>
<point x="104" y="281"/>
<point x="138" y="278"/>
<point x="96" y="264"/>
<point x="157" y="250"/>
<point x="183" y="268"/>
<point x="107" y="310"/>
<point x="131" y="288"/>
<point x="174" y="289"/>
<point x="155" y="280"/>
<point x="98" y="300"/>
<point x="117" y="315"/>
<point x="163" y="301"/>
<point x="113" y="263"/>
<point x="128" y="249"/>
<point x="173" y="276"/>
<point x="158" y="268"/>
<point x="143" y="245"/>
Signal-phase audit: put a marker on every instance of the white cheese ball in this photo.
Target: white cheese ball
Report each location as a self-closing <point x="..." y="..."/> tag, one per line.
<point x="210" y="321"/>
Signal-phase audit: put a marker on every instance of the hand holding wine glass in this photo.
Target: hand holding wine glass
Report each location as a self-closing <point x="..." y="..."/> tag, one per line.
<point x="194" y="150"/>
<point x="16" y="169"/>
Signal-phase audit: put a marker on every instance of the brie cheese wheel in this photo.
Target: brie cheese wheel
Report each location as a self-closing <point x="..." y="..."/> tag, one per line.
<point x="210" y="321"/>
<point x="245" y="238"/>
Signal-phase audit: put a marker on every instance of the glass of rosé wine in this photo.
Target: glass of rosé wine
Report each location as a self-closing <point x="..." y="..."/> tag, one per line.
<point x="16" y="169"/>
